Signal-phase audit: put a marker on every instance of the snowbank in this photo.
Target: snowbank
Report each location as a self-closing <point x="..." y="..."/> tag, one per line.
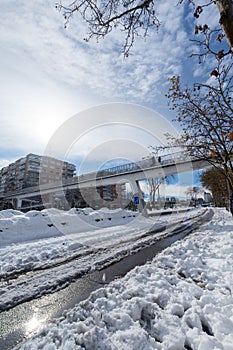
<point x="51" y="236"/>
<point x="16" y="226"/>
<point x="181" y="300"/>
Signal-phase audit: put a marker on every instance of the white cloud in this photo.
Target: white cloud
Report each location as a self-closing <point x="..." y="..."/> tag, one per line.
<point x="34" y="31"/>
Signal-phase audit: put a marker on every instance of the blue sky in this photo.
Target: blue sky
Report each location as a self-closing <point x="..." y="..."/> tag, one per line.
<point x="49" y="74"/>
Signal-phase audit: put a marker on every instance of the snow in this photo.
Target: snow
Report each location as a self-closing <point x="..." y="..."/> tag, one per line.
<point x="17" y="227"/>
<point x="36" y="238"/>
<point x="35" y="267"/>
<point x="180" y="300"/>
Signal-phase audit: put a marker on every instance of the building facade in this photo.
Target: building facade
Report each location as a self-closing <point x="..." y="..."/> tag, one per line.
<point x="34" y="169"/>
<point x="110" y="196"/>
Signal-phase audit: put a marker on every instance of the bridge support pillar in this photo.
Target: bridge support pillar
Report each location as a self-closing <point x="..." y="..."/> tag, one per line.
<point x="18" y="203"/>
<point x="138" y="193"/>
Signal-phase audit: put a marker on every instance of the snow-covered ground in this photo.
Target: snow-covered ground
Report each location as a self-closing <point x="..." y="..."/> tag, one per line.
<point x="181" y="300"/>
<point x="53" y="247"/>
<point x="36" y="238"/>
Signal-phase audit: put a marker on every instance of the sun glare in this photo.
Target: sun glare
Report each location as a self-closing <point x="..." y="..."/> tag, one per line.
<point x="33" y="324"/>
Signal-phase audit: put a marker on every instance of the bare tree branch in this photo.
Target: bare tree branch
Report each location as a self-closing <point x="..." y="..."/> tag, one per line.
<point x="205" y="113"/>
<point x="133" y="17"/>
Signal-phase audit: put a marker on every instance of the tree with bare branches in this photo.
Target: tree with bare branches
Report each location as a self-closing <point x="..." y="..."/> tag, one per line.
<point x="205" y="114"/>
<point x="136" y="17"/>
<point x="133" y="17"/>
<point x="225" y="28"/>
<point x="154" y="186"/>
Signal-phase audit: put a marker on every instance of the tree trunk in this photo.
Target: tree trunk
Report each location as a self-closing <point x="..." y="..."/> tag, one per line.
<point x="225" y="8"/>
<point x="231" y="201"/>
<point x="231" y="204"/>
<point x="230" y="193"/>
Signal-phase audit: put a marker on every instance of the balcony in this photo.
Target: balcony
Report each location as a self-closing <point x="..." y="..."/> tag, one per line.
<point x="34" y="158"/>
<point x="34" y="168"/>
<point x="71" y="167"/>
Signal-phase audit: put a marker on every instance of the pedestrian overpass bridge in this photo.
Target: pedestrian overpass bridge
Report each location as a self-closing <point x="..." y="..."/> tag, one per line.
<point x="132" y="173"/>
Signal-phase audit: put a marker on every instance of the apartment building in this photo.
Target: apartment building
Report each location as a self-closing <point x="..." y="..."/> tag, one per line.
<point x="32" y="169"/>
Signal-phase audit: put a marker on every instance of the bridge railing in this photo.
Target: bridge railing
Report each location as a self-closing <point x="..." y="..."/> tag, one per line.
<point x="143" y="164"/>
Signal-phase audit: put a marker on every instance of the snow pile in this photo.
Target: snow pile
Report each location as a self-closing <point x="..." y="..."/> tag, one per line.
<point x="16" y="226"/>
<point x="36" y="241"/>
<point x="181" y="300"/>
